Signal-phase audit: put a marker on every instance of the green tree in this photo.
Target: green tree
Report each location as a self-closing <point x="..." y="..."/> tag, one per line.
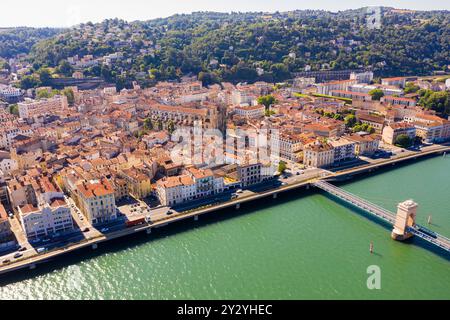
<point x="28" y="82"/>
<point x="148" y="125"/>
<point x="282" y="167"/>
<point x="68" y="92"/>
<point x="65" y="69"/>
<point x="411" y="88"/>
<point x="403" y="141"/>
<point x="376" y="94"/>
<point x="267" y="101"/>
<point x="437" y="101"/>
<point x="45" y="76"/>
<point x="170" y="127"/>
<point x="14" y="109"/>
<point x="350" y="121"/>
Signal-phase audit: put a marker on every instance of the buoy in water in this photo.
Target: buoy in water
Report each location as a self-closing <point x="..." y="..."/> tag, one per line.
<point x="371" y="247"/>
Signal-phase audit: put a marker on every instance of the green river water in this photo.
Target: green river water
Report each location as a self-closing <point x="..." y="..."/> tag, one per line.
<point x="297" y="247"/>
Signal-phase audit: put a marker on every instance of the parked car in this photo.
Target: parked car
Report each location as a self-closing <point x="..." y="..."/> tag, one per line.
<point x="234" y="196"/>
<point x="41" y="250"/>
<point x="86" y="230"/>
<point x="104" y="230"/>
<point x="170" y="212"/>
<point x="239" y="191"/>
<point x="6" y="261"/>
<point x="21" y="249"/>
<point x="18" y="255"/>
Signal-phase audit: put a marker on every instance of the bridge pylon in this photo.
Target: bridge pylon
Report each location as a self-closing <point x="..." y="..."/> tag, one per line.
<point x="406" y="217"/>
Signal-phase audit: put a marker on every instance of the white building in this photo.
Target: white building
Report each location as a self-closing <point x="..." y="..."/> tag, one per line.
<point x="251" y="112"/>
<point x="7" y="165"/>
<point x="362" y="77"/>
<point x="342" y="85"/>
<point x="50" y="216"/>
<point x="32" y="108"/>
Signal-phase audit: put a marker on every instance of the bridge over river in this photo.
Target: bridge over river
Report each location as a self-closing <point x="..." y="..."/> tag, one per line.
<point x="403" y="222"/>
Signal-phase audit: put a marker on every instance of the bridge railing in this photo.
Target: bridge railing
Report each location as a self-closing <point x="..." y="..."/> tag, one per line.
<point x="333" y="189"/>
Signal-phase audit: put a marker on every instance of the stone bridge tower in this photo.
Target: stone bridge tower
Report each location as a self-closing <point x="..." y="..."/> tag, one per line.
<point x="406" y="217"/>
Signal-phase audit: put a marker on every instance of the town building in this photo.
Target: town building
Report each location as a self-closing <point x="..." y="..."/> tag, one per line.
<point x="50" y="216"/>
<point x="318" y="154"/>
<point x="249" y="174"/>
<point x="344" y="149"/>
<point x="365" y="144"/>
<point x="392" y="131"/>
<point x="96" y="201"/>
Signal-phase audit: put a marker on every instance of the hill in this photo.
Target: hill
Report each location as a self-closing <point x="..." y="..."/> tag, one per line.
<point x="253" y="46"/>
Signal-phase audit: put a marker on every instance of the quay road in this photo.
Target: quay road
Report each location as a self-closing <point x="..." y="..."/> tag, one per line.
<point x="161" y="219"/>
<point x="396" y="158"/>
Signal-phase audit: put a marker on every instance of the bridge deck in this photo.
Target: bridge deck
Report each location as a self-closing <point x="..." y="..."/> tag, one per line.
<point x="385" y="215"/>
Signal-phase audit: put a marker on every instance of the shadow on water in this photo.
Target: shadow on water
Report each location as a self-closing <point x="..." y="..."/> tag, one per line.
<point x="138" y="239"/>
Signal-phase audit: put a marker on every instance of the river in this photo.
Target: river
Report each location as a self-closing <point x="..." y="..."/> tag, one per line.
<point x="297" y="247"/>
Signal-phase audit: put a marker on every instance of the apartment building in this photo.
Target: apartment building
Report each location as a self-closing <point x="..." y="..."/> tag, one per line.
<point x="399" y="101"/>
<point x="204" y="181"/>
<point x="96" y="199"/>
<point x="342" y="85"/>
<point x="139" y="183"/>
<point x="365" y="145"/>
<point x="351" y="95"/>
<point x="344" y="150"/>
<point x="176" y="190"/>
<point x="392" y="131"/>
<point x="8" y="134"/>
<point x="318" y="154"/>
<point x="396" y="81"/>
<point x="375" y="122"/>
<point x="50" y="216"/>
<point x="251" y="112"/>
<point x="249" y="174"/>
<point x="35" y="108"/>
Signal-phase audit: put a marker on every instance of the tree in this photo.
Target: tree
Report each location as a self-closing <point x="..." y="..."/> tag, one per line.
<point x="65" y="68"/>
<point x="266" y="101"/>
<point x="437" y="101"/>
<point x="350" y="121"/>
<point x="282" y="167"/>
<point x="148" y="125"/>
<point x="45" y="76"/>
<point x="170" y="127"/>
<point x="14" y="109"/>
<point x="280" y="72"/>
<point x="207" y="78"/>
<point x="411" y="88"/>
<point x="376" y="94"/>
<point x="403" y="141"/>
<point x="70" y="96"/>
<point x="28" y="82"/>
